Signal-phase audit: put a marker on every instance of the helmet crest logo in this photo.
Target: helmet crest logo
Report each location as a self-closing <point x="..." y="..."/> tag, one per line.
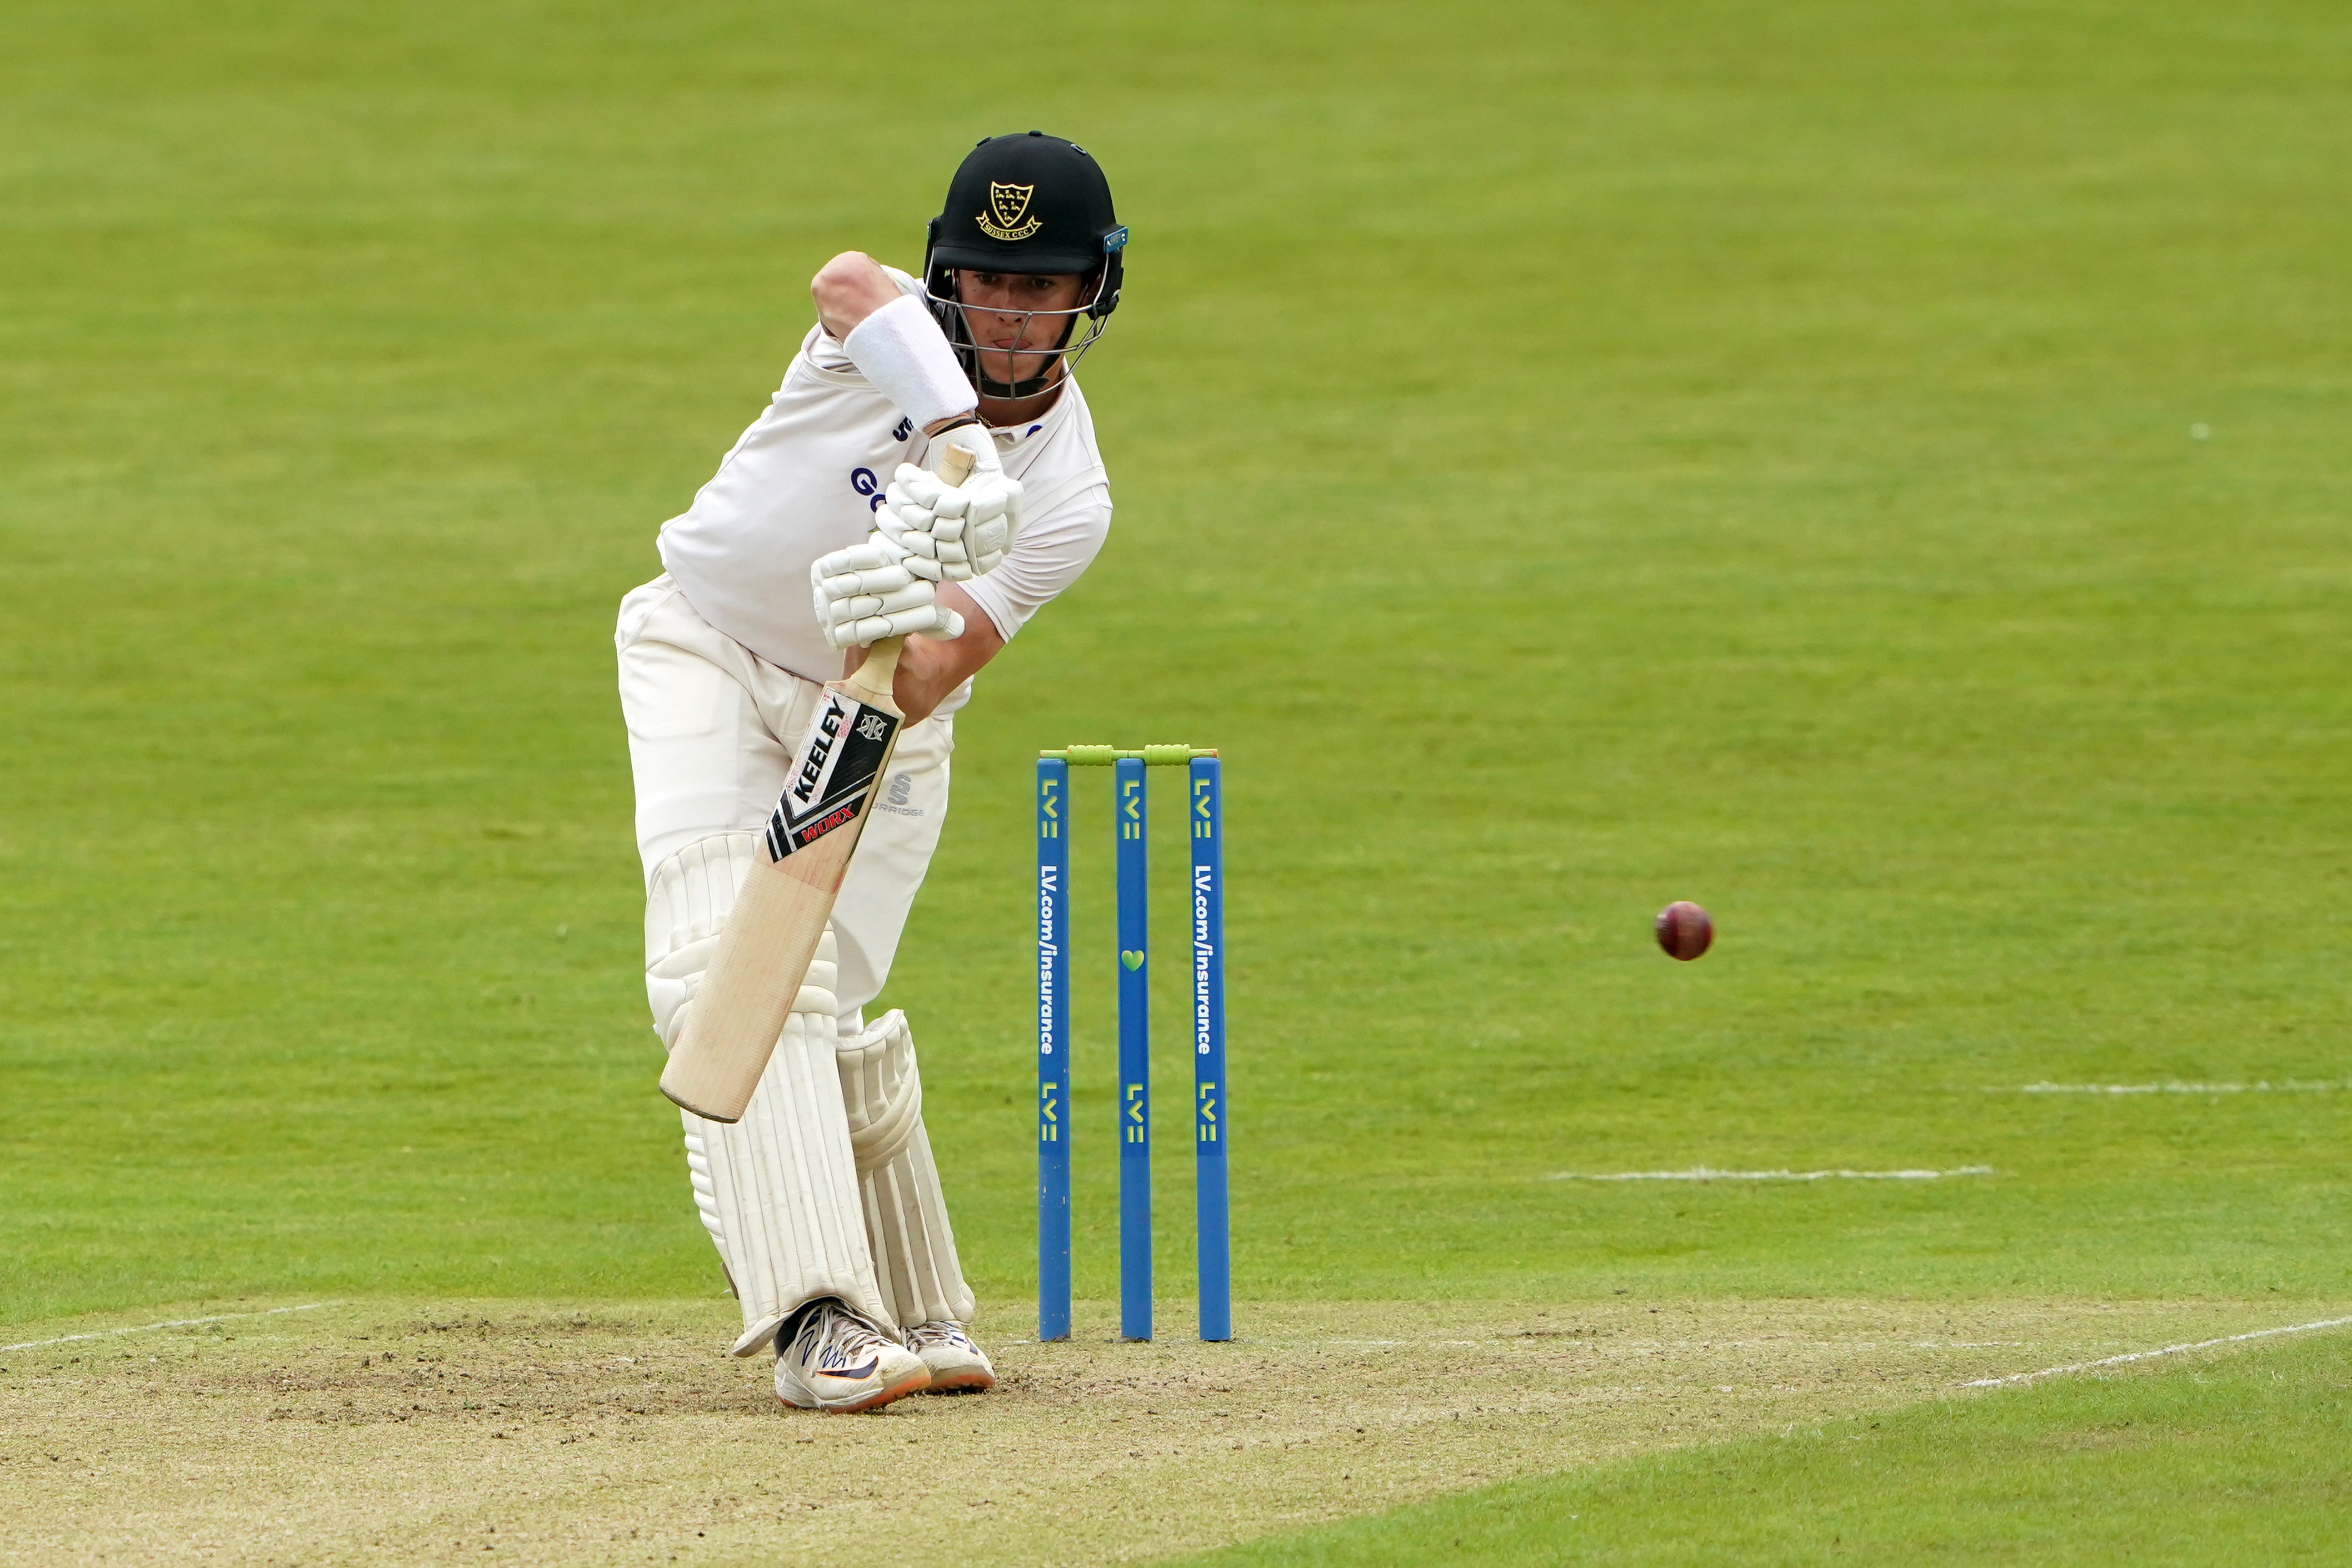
<point x="1007" y="206"/>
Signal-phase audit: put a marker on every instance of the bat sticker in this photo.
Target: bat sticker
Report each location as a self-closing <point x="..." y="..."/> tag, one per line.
<point x="833" y="774"/>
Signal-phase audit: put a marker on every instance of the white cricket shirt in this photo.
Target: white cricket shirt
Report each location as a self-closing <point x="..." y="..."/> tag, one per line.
<point x="802" y="483"/>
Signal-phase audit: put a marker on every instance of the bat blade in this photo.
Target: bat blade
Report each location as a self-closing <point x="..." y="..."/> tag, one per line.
<point x="738" y="1010"/>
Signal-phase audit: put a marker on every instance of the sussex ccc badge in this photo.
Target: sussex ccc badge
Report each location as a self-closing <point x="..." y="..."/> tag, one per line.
<point x="1008" y="207"/>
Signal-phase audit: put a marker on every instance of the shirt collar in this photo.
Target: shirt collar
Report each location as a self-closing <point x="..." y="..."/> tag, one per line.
<point x="1012" y="437"/>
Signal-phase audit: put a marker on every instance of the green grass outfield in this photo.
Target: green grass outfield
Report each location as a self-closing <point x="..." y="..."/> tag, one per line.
<point x="1864" y="581"/>
<point x="2239" y="1462"/>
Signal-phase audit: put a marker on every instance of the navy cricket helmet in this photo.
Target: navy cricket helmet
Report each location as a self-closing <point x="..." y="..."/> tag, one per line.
<point x="1026" y="204"/>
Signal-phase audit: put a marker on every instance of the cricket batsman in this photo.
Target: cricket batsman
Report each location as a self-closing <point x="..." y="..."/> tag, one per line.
<point x="824" y="529"/>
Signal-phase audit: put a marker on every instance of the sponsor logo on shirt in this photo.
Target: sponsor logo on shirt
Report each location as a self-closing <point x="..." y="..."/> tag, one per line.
<point x="863" y="481"/>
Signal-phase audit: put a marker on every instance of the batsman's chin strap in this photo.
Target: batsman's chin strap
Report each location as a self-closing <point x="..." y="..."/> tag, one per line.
<point x="1010" y="389"/>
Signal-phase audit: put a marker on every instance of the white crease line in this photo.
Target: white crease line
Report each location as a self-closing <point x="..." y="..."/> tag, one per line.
<point x="2151" y="1356"/>
<point x="174" y="1323"/>
<point x="2289" y="1085"/>
<point x="1702" y="1174"/>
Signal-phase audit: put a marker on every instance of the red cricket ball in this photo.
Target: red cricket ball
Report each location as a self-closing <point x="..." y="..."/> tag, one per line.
<point x="1684" y="930"/>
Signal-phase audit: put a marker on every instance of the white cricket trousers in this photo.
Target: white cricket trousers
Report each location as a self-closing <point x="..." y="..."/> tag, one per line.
<point x="712" y="728"/>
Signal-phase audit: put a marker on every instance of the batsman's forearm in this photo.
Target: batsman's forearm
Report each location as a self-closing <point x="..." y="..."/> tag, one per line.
<point x="931" y="667"/>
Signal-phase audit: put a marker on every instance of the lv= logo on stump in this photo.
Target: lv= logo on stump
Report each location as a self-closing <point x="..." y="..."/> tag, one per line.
<point x="1205" y="905"/>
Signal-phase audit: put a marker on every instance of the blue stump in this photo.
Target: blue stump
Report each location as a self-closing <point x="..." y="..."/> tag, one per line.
<point x="1053" y="1050"/>
<point x="1209" y="1122"/>
<point x="1134" y="1054"/>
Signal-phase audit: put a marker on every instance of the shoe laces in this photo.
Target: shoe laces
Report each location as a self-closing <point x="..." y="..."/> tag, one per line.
<point x="944" y="1331"/>
<point x="831" y="1334"/>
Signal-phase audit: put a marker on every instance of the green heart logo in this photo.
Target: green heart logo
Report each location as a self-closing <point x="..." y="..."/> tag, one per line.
<point x="1132" y="959"/>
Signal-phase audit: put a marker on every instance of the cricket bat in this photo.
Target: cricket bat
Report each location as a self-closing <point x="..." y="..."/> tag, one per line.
<point x="737" y="1011"/>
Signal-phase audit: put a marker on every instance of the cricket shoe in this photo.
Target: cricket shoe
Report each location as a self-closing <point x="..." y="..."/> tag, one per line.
<point x="957" y="1366"/>
<point x="830" y="1358"/>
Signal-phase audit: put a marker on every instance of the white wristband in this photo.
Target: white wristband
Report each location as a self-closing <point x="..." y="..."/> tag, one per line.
<point x="900" y="349"/>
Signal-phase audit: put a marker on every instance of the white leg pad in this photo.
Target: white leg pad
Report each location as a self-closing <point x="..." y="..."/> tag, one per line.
<point x="686" y="900"/>
<point x="906" y="1212"/>
<point x="778" y="1191"/>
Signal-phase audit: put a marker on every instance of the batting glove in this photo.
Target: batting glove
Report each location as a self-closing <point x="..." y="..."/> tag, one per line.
<point x="963" y="530"/>
<point x="871" y="591"/>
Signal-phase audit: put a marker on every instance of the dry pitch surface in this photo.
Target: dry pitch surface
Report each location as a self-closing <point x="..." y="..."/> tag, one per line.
<point x="546" y="1433"/>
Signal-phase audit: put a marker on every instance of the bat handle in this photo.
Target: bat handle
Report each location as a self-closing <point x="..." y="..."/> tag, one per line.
<point x="878" y="670"/>
<point x="955" y="464"/>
